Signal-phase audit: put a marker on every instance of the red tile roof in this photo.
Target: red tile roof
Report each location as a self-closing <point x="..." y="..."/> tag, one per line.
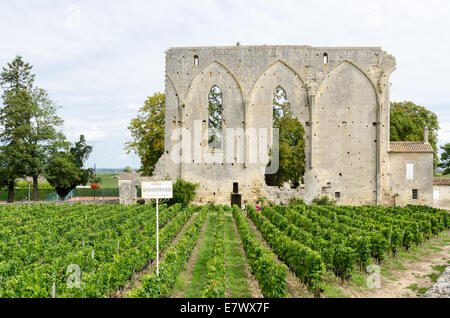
<point x="409" y="146"/>
<point x="441" y="181"/>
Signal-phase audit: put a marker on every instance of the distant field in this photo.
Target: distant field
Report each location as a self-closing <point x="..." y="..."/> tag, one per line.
<point x="109" y="180"/>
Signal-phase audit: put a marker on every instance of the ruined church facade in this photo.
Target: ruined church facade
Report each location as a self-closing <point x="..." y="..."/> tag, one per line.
<point x="340" y="95"/>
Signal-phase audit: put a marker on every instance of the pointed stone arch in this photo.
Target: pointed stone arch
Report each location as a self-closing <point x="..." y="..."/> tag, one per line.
<point x="346" y="133"/>
<point x="279" y="73"/>
<point x="374" y="85"/>
<point x="196" y="100"/>
<point x="196" y="112"/>
<point x="273" y="63"/>
<point x="220" y="65"/>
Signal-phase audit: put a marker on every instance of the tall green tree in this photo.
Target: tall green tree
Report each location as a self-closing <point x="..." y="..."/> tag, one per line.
<point x="445" y="159"/>
<point x="65" y="170"/>
<point x="31" y="127"/>
<point x="16" y="113"/>
<point x="292" y="160"/>
<point x="147" y="132"/>
<point x="408" y="121"/>
<point x="45" y="136"/>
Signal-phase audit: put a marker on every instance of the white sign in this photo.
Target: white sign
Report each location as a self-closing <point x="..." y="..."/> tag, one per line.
<point x="157" y="190"/>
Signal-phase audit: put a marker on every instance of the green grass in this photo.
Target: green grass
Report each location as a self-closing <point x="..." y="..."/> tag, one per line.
<point x="180" y="284"/>
<point x="408" y="256"/>
<point x="199" y="277"/>
<point x="434" y="276"/>
<point x="396" y="262"/>
<point x="418" y="250"/>
<point x="420" y="291"/>
<point x="332" y="288"/>
<point x="109" y="180"/>
<point x="360" y="279"/>
<point x="434" y="248"/>
<point x="236" y="276"/>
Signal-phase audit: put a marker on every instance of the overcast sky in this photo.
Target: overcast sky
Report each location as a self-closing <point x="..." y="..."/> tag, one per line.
<point x="100" y="59"/>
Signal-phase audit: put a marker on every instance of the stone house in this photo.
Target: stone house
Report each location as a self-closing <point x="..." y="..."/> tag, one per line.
<point x="411" y="172"/>
<point x="441" y="193"/>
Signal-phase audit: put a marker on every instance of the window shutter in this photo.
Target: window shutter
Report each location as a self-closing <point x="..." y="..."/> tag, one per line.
<point x="436" y="194"/>
<point x="409" y="171"/>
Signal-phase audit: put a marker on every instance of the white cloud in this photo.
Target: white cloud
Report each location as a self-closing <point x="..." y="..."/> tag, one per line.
<point x="102" y="70"/>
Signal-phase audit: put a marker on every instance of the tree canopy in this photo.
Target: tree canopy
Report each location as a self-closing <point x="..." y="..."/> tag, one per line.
<point x="147" y="132"/>
<point x="65" y="169"/>
<point x="408" y="121"/>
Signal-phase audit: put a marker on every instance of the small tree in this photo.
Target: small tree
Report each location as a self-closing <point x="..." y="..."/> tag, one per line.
<point x="147" y="131"/>
<point x="183" y="192"/>
<point x="65" y="169"/>
<point x="63" y="173"/>
<point x="128" y="169"/>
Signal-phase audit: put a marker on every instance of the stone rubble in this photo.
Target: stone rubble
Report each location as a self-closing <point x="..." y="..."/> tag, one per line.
<point x="442" y="287"/>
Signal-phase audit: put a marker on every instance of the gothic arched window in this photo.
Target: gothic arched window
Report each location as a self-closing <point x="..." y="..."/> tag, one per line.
<point x="215" y="118"/>
<point x="280" y="105"/>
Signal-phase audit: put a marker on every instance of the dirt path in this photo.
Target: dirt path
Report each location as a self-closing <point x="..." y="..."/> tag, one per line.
<point x="412" y="270"/>
<point x="134" y="282"/>
<point x="252" y="283"/>
<point x="185" y="276"/>
<point x="294" y="287"/>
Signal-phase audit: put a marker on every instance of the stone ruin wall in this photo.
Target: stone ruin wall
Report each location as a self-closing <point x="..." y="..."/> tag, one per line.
<point x="343" y="106"/>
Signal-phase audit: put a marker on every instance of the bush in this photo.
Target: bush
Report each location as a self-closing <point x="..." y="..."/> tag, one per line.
<point x="296" y="201"/>
<point x="325" y="200"/>
<point x="183" y="192"/>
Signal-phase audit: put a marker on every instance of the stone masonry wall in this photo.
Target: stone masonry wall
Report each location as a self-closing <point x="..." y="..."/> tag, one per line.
<point x="340" y="95"/>
<point x="422" y="179"/>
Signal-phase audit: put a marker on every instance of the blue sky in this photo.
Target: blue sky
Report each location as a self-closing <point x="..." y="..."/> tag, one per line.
<point x="100" y="59"/>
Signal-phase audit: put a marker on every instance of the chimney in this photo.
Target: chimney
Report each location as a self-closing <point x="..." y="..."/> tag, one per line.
<point x="425" y="133"/>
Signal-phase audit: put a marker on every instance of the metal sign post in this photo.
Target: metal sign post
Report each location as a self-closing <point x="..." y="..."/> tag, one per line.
<point x="157" y="190"/>
<point x="157" y="237"/>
